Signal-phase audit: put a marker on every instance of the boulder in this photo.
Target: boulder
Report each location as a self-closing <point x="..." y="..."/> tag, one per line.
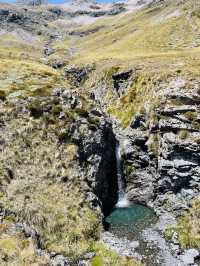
<point x="189" y="256"/>
<point x="59" y="260"/>
<point x="121" y="81"/>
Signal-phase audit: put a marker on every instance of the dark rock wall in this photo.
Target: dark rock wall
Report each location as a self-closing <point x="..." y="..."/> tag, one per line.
<point x="97" y="153"/>
<point x="162" y="157"/>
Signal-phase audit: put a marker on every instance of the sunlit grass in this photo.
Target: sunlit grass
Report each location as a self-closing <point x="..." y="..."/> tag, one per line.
<point x="107" y="257"/>
<point x="16" y="249"/>
<point x="187" y="228"/>
<point x="27" y="77"/>
<point x="13" y="46"/>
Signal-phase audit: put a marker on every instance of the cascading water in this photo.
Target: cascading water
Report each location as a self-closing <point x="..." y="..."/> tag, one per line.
<point x="122" y="200"/>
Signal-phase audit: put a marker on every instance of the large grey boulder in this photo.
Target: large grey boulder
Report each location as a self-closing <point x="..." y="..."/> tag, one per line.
<point x="189" y="256"/>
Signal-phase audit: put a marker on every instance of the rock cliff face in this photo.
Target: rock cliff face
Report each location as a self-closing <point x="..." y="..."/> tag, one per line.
<point x="161" y="156"/>
<point x="97" y="157"/>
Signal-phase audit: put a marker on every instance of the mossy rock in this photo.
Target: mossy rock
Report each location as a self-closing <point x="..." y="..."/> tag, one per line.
<point x="183" y="134"/>
<point x="2" y="95"/>
<point x="191" y="115"/>
<point x="36" y="109"/>
<point x="92" y="127"/>
<point x="93" y="121"/>
<point x="129" y="169"/>
<point x="196" y="125"/>
<point x="82" y="112"/>
<point x="56" y="109"/>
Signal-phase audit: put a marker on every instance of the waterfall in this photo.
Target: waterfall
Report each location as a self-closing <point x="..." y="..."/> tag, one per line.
<point x="122" y="200"/>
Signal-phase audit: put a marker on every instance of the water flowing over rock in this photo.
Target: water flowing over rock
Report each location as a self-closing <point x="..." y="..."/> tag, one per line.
<point x="122" y="199"/>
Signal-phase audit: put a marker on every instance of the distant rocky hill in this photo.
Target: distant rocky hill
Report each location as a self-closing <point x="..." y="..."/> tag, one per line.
<point x="32" y="3"/>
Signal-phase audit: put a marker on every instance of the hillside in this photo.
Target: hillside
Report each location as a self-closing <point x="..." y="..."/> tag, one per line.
<point x="92" y="95"/>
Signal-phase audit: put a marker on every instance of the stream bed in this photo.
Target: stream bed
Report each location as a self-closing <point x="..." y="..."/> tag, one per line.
<point x="135" y="231"/>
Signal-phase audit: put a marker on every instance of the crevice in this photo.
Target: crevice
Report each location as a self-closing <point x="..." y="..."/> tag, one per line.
<point x="106" y="179"/>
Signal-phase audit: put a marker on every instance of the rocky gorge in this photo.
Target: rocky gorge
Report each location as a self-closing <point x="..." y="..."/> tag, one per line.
<point x="67" y="106"/>
<point x="160" y="153"/>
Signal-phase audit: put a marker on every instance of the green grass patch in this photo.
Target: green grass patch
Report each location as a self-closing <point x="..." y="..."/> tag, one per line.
<point x="107" y="257"/>
<point x="27" y="77"/>
<point x="13" y="46"/>
<point x="133" y="101"/>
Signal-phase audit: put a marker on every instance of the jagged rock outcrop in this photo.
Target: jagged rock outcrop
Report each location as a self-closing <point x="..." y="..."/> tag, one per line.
<point x="77" y="75"/>
<point x="35" y="21"/>
<point x="99" y="162"/>
<point x="112" y="11"/>
<point x="161" y="158"/>
<point x="122" y="80"/>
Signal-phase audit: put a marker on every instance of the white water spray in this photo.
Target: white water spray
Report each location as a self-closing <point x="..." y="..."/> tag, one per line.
<point x="122" y="200"/>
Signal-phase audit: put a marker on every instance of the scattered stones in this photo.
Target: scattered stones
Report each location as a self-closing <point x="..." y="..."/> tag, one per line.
<point x="59" y="260"/>
<point x="48" y="51"/>
<point x="124" y="247"/>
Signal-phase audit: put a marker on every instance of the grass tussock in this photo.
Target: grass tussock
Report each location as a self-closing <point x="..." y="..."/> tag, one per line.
<point x="133" y="101"/>
<point x="27" y="78"/>
<point x="16" y="249"/>
<point x="107" y="257"/>
<point x="64" y="225"/>
<point x="187" y="228"/>
<point x="40" y="184"/>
